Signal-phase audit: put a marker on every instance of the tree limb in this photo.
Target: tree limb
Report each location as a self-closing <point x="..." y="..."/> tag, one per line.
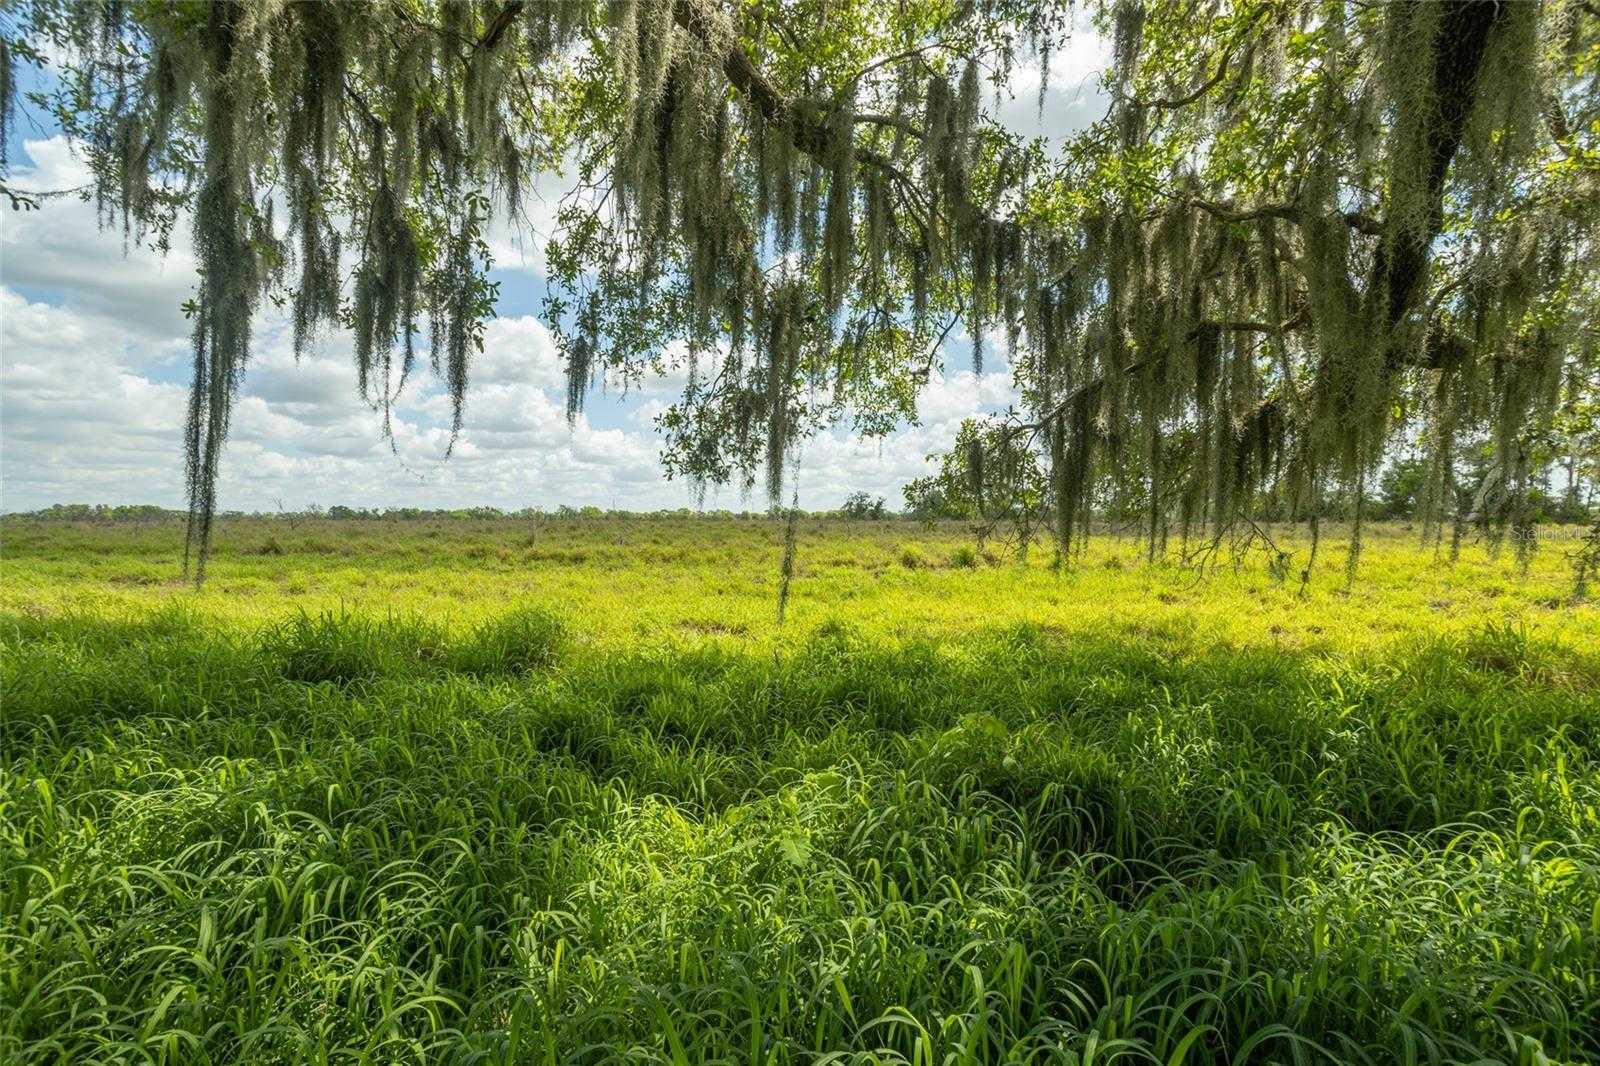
<point x="1401" y="261"/>
<point x="1173" y="103"/>
<point x="500" y="24"/>
<point x="1292" y="322"/>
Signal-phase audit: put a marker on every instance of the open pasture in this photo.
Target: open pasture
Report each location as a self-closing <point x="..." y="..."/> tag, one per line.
<point x="561" y="790"/>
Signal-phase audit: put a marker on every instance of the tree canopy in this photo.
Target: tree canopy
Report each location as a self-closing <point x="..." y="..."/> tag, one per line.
<point x="1298" y="225"/>
<point x="986" y="476"/>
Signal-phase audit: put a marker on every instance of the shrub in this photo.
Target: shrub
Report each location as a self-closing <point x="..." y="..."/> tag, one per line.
<point x="519" y="642"/>
<point x="271" y="547"/>
<point x="338" y="648"/>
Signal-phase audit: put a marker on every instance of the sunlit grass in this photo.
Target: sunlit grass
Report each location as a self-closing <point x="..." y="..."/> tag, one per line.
<point x="392" y="796"/>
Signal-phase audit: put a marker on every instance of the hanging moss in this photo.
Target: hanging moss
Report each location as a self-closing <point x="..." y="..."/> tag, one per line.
<point x="1199" y="330"/>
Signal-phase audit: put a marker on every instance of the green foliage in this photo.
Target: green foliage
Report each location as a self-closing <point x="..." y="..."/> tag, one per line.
<point x="520" y="642"/>
<point x="84" y="512"/>
<point x="1133" y="816"/>
<point x="925" y="500"/>
<point x="863" y="506"/>
<point x="1401" y="486"/>
<point x="986" y="474"/>
<point x="1296" y="220"/>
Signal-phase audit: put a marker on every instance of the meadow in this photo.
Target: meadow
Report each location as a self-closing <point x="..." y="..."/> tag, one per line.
<point x="537" y="791"/>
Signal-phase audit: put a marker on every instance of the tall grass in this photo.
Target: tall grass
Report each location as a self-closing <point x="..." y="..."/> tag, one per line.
<point x="356" y="836"/>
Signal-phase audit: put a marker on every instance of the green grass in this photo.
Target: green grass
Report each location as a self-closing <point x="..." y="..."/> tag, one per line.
<point x="489" y="792"/>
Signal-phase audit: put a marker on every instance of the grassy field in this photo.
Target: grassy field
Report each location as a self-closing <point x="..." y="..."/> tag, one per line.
<point x="526" y="792"/>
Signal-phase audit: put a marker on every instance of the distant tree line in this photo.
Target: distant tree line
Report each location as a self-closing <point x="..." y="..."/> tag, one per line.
<point x="100" y="512"/>
<point x="980" y="480"/>
<point x="859" y="505"/>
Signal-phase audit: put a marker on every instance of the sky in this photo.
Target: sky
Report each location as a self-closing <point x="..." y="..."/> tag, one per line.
<point x="94" y="369"/>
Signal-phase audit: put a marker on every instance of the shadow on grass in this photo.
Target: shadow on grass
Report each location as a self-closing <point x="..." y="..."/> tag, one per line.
<point x="450" y="844"/>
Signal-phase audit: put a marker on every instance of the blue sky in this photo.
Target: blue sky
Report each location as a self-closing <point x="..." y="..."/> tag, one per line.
<point x="94" y="372"/>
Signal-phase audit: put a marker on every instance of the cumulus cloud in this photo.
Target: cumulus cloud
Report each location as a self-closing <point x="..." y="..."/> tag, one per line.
<point x="519" y="351"/>
<point x="1073" y="96"/>
<point x="75" y="423"/>
<point x="101" y="272"/>
<point x="89" y="413"/>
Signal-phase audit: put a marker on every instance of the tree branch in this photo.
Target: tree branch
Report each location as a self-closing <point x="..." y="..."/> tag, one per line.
<point x="892" y="121"/>
<point x="1288" y="211"/>
<point x="1236" y="326"/>
<point x="500" y="24"/>
<point x="1364" y="223"/>
<point x="1073" y="396"/>
<point x="1173" y="103"/>
<point x="810" y="135"/>
<point x="910" y="53"/>
<point x="1226" y="212"/>
<point x="1401" y="261"/>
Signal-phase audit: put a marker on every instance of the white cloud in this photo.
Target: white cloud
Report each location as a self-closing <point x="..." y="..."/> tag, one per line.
<point x="1073" y="98"/>
<point x="85" y="416"/>
<point x="99" y="271"/>
<point x="518" y="350"/>
<point x="74" y="423"/>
